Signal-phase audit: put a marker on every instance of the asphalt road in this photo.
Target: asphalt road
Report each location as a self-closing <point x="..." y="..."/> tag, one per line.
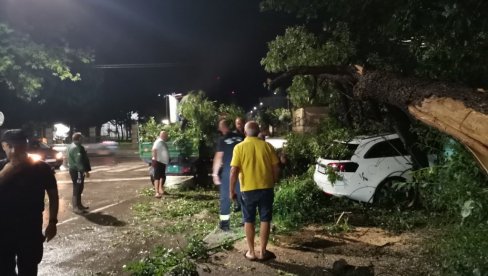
<point x="85" y="243"/>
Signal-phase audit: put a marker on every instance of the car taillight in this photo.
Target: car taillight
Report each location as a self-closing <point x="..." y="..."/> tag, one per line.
<point x="186" y="170"/>
<point x="343" y="166"/>
<point x="338" y="167"/>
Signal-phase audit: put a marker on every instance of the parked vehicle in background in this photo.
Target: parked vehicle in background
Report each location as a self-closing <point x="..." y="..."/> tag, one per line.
<point x="93" y="149"/>
<point x="277" y="142"/>
<point x="178" y="164"/>
<point x="368" y="170"/>
<point x="41" y="151"/>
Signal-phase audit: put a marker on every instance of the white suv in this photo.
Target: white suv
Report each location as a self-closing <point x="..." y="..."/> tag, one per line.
<point x="373" y="163"/>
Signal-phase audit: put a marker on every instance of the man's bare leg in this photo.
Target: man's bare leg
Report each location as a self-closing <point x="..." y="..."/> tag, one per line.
<point x="264" y="236"/>
<point x="161" y="187"/>
<point x="157" y="187"/>
<point x="250" y="232"/>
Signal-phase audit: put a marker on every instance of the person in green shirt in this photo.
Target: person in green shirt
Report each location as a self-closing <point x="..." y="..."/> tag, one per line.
<point x="79" y="168"/>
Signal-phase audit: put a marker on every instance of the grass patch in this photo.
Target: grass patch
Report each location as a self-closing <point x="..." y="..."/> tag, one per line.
<point x="193" y="214"/>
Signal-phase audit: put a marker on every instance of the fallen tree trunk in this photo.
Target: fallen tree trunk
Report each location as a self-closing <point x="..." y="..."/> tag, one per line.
<point x="456" y="110"/>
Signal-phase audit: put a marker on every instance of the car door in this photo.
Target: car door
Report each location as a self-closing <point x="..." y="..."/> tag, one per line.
<point x="385" y="159"/>
<point x="378" y="159"/>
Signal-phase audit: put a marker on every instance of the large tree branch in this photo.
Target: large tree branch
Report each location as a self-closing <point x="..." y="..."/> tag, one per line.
<point x="322" y="71"/>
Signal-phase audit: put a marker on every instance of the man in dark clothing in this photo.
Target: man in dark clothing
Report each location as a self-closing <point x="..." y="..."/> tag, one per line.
<point x="23" y="183"/>
<point x="239" y="124"/>
<point x="79" y="167"/>
<point x="221" y="171"/>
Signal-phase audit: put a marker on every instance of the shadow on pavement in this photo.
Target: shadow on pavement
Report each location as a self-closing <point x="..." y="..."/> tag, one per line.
<point x="104" y="220"/>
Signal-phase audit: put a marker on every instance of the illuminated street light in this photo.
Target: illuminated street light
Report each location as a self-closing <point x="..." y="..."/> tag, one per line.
<point x="254" y="108"/>
<point x="261" y="103"/>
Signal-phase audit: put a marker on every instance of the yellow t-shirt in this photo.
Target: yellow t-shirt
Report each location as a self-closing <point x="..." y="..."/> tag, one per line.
<point x="255" y="159"/>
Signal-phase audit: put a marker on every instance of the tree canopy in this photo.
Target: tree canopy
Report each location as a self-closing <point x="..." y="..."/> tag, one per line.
<point x="411" y="53"/>
<point x="25" y="65"/>
<point x="441" y="39"/>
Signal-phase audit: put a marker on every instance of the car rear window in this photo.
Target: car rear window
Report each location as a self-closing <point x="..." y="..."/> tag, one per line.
<point x="340" y="151"/>
<point x="389" y="148"/>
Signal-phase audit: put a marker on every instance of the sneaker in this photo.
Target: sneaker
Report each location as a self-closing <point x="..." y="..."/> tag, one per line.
<point x="224" y="225"/>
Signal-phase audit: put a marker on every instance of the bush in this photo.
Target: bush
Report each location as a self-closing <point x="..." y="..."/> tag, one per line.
<point x="456" y="190"/>
<point x="457" y="187"/>
<point x="298" y="201"/>
<point x="463" y="250"/>
<point x="303" y="149"/>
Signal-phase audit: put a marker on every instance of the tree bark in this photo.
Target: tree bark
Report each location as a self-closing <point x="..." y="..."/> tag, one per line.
<point x="456" y="110"/>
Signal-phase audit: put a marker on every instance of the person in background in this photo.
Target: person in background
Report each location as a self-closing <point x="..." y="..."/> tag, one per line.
<point x="23" y="184"/>
<point x="255" y="163"/>
<point x="221" y="171"/>
<point x="239" y="123"/>
<point x="160" y="160"/>
<point x="79" y="168"/>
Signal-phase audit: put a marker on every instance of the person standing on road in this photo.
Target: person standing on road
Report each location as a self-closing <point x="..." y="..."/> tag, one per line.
<point x="79" y="168"/>
<point x="255" y="162"/>
<point x="239" y="124"/>
<point x="221" y="171"/>
<point x="23" y="184"/>
<point x="160" y="159"/>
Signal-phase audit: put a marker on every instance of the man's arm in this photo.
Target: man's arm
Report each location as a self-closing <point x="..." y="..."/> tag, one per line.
<point x="51" y="229"/>
<point x="85" y="160"/>
<point x="217" y="163"/>
<point x="276" y="172"/>
<point x="7" y="171"/>
<point x="234" y="174"/>
<point x="154" y="155"/>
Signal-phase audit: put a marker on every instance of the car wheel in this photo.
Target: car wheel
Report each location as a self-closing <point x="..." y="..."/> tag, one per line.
<point x="390" y="194"/>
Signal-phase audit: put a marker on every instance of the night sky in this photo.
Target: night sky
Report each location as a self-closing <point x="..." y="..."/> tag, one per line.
<point x="212" y="45"/>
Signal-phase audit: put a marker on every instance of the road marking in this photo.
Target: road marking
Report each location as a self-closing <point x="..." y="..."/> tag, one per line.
<point x="111" y="169"/>
<point x="129" y="168"/>
<point x="93" y="211"/>
<point x="106" y="180"/>
<point x="101" y="168"/>
<point x="145" y="169"/>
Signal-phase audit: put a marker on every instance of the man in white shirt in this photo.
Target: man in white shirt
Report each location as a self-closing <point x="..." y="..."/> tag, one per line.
<point x="160" y="159"/>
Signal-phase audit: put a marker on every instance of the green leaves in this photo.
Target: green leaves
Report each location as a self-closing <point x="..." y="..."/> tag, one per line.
<point x="25" y="64"/>
<point x="468" y="206"/>
<point x="441" y="39"/>
<point x="201" y="114"/>
<point x="300" y="47"/>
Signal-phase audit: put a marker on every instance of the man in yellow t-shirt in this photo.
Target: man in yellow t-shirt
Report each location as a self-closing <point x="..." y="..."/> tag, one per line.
<point x="256" y="164"/>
